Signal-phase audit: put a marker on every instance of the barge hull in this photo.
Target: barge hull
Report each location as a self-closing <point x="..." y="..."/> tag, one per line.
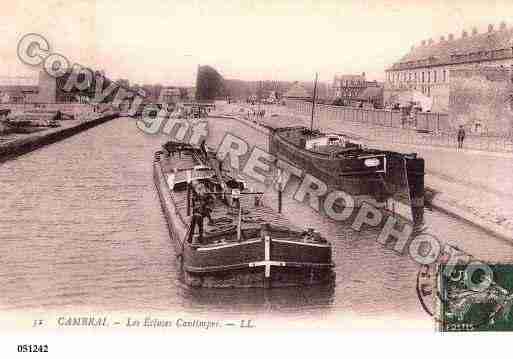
<point x="399" y="177"/>
<point x="272" y="261"/>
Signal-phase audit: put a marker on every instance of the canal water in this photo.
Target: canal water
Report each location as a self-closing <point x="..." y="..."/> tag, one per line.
<point x="81" y="229"/>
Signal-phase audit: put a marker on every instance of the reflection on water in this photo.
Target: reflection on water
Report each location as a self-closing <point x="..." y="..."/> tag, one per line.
<point x="279" y="300"/>
<point x="81" y="228"/>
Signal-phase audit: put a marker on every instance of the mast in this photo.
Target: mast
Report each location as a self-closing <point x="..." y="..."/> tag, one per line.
<point x="313" y="102"/>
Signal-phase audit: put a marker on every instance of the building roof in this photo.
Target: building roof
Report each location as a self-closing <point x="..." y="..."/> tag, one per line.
<point x="297" y="91"/>
<point x="478" y="45"/>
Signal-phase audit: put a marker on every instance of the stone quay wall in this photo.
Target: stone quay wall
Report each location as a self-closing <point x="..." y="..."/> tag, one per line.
<point x="30" y="142"/>
<point x="426" y="121"/>
<point x="429" y="129"/>
<point x="481" y="99"/>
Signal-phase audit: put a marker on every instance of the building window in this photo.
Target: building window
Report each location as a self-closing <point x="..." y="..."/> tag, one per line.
<point x="444" y="79"/>
<point x="423" y="78"/>
<point x="434" y="76"/>
<point x="429" y="76"/>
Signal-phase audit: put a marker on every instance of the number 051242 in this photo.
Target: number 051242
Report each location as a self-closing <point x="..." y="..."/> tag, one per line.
<point x="32" y="348"/>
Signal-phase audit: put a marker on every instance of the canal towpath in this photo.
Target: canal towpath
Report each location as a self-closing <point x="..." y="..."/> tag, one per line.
<point x="473" y="185"/>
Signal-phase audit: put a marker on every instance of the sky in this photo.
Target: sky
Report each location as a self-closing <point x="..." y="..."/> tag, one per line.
<point x="151" y="41"/>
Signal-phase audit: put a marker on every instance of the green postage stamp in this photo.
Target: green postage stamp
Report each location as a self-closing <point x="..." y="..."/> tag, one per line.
<point x="472" y="298"/>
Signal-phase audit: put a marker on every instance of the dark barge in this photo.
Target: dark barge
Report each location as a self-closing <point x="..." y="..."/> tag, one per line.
<point x="244" y="243"/>
<point x="343" y="164"/>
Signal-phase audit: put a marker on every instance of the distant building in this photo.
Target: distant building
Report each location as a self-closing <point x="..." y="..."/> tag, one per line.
<point x="355" y="90"/>
<point x="297" y="92"/>
<point x="372" y="96"/>
<point x="47" y="89"/>
<point x="151" y="93"/>
<point x="43" y="89"/>
<point x="169" y="95"/>
<point x="18" y="89"/>
<point x="428" y="68"/>
<point x="348" y="88"/>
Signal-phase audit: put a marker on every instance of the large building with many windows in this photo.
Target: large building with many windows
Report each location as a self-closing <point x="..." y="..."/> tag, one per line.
<point x="428" y="68"/>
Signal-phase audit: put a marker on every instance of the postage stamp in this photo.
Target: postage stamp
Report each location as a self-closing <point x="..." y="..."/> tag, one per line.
<point x="472" y="300"/>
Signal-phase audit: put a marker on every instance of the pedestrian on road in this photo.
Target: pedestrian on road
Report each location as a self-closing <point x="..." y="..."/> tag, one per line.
<point x="461" y="136"/>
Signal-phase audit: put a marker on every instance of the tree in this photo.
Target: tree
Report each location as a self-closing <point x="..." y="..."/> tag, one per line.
<point x="209" y="84"/>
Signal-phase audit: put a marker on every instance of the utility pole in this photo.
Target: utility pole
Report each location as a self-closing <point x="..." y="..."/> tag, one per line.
<point x="189" y="179"/>
<point x="313" y="102"/>
<point x="280" y="189"/>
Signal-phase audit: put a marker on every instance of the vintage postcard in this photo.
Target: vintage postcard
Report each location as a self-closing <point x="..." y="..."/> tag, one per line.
<point x="235" y="166"/>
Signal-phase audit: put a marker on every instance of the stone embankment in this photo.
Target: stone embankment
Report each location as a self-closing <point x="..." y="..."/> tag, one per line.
<point x="14" y="145"/>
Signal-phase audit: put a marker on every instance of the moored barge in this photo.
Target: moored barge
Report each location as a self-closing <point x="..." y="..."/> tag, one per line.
<point x="243" y="243"/>
<point x="344" y="164"/>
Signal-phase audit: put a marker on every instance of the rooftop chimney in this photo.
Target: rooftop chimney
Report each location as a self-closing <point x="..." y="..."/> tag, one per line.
<point x="412" y="47"/>
<point x="450" y="37"/>
<point x="503" y="26"/>
<point x="423" y="43"/>
<point x="474" y="31"/>
<point x="464" y="34"/>
<point x="430" y="41"/>
<point x="442" y="38"/>
<point x="490" y="28"/>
